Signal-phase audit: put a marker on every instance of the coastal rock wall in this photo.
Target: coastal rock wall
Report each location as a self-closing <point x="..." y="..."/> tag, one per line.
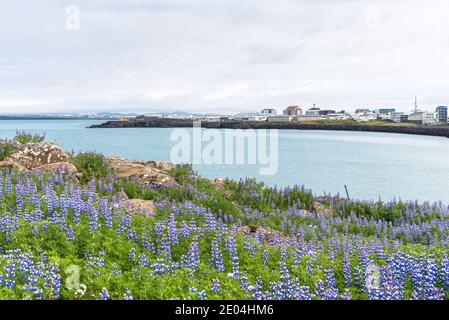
<point x="441" y="131"/>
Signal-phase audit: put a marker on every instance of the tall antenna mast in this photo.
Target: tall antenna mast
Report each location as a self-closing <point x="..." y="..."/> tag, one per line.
<point x="416" y="104"/>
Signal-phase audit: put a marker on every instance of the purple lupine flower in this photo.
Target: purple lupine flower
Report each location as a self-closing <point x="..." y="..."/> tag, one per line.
<point x="216" y="286"/>
<point x="104" y="294"/>
<point x="217" y="258"/>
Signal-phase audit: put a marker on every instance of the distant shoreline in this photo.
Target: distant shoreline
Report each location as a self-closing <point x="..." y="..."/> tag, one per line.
<point x="50" y="118"/>
<point x="438" y="131"/>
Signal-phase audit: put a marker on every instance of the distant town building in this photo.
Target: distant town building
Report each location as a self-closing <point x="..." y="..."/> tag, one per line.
<point x="326" y="112"/>
<point x="363" y="115"/>
<point x="293" y="111"/>
<point x="147" y="118"/>
<point x="441" y="114"/>
<point x="250" y="117"/>
<point x="383" y="116"/>
<point x="430" y="118"/>
<point x="313" y="112"/>
<point x="385" y="110"/>
<point x="336" y="116"/>
<point x="257" y="118"/>
<point x="280" y="118"/>
<point x="184" y="116"/>
<point x="127" y="118"/>
<point x="397" y="116"/>
<point x="307" y="118"/>
<point x="419" y="117"/>
<point x="210" y="118"/>
<point x="269" y="112"/>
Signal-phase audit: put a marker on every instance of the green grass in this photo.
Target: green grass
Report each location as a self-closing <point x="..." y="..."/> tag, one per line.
<point x="388" y="123"/>
<point x="193" y="202"/>
<point x="6" y="149"/>
<point x="27" y="137"/>
<point x="240" y="199"/>
<point x="352" y="122"/>
<point x="91" y="165"/>
<point x="327" y="121"/>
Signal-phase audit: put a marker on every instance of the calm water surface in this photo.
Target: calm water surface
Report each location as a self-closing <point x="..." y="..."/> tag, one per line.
<point x="372" y="165"/>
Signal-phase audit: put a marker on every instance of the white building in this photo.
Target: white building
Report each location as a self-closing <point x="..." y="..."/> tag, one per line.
<point x="384" y="116"/>
<point x="418" y="117"/>
<point x="268" y="112"/>
<point x="211" y="119"/>
<point x="257" y="118"/>
<point x="313" y="112"/>
<point x="307" y="118"/>
<point x="336" y="116"/>
<point x="396" y="116"/>
<point x="127" y="118"/>
<point x="430" y="118"/>
<point x="363" y="117"/>
<point x="280" y="118"/>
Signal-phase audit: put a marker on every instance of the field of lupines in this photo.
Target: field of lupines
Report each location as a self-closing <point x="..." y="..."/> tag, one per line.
<point x="238" y="240"/>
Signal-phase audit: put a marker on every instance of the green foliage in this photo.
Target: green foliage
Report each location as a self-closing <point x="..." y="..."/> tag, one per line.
<point x="103" y="254"/>
<point x="182" y="173"/>
<point x="28" y="137"/>
<point x="6" y="149"/>
<point x="91" y="165"/>
<point x="233" y="198"/>
<point x="380" y="211"/>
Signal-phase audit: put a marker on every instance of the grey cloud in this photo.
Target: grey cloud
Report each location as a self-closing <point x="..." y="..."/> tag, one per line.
<point x="222" y="55"/>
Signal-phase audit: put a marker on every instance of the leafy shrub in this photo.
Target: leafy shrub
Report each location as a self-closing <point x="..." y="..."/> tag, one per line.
<point x="6" y="149"/>
<point x="91" y="165"/>
<point x="182" y="173"/>
<point x="27" y="137"/>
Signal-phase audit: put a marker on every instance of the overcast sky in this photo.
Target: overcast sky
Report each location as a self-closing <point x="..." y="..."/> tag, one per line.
<point x="217" y="55"/>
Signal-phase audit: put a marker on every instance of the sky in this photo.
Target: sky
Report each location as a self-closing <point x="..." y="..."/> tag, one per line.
<point x="222" y="56"/>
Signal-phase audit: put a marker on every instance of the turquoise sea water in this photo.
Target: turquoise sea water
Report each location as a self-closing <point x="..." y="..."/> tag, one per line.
<point x="372" y="165"/>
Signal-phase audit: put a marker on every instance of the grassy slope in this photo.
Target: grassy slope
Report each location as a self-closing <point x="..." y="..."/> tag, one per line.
<point x="127" y="253"/>
<point x="111" y="266"/>
<point x="370" y="123"/>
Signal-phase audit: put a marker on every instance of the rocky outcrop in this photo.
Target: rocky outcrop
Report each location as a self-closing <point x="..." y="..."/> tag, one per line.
<point x="139" y="207"/>
<point x="35" y="155"/>
<point x="64" y="167"/>
<point x="165" y="166"/>
<point x="152" y="173"/>
<point x="47" y="157"/>
<point x="11" y="165"/>
<point x="321" y="209"/>
<point x="219" y="183"/>
<point x="38" y="157"/>
<point x="121" y="196"/>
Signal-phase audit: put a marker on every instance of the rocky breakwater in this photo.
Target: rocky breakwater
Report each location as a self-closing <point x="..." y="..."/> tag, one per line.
<point x="437" y="130"/>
